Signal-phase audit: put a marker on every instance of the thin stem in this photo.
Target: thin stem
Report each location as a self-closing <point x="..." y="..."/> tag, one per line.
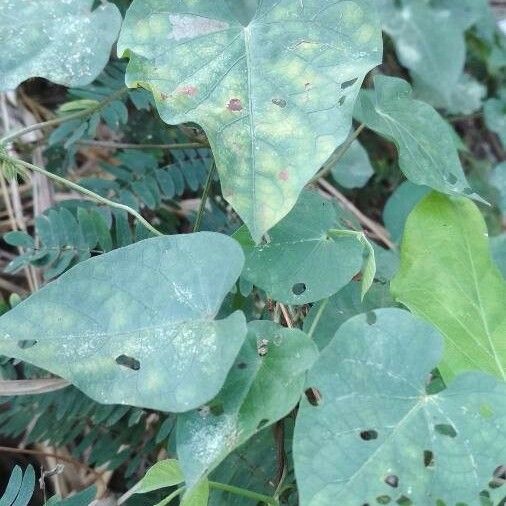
<point x="169" y="498"/>
<point x="244" y="493"/>
<point x="205" y="195"/>
<point x="317" y="318"/>
<point x="127" y="145"/>
<point x="83" y="190"/>
<point x="338" y="155"/>
<point x="61" y="119"/>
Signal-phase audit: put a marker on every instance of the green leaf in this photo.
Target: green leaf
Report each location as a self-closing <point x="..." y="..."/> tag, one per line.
<point x="498" y="179"/>
<point x="498" y="245"/>
<point x="264" y="385"/>
<point x="61" y="40"/>
<point x="495" y="116"/>
<point x="20" y="488"/>
<point x="354" y="169"/>
<point x="136" y="326"/>
<point x="399" y="205"/>
<point x="13" y="486"/>
<point x="19" y="239"/>
<point x="305" y="259"/>
<point x="274" y="97"/>
<point x="447" y="276"/>
<point x="166" y="473"/>
<point x="83" y="498"/>
<point x="429" y="41"/>
<point x="327" y="316"/>
<point x="427" y="152"/>
<point x="373" y="435"/>
<point x="197" y="496"/>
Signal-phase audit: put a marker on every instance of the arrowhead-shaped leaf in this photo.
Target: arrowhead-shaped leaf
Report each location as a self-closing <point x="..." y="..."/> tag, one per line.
<point x="372" y="434"/>
<point x="275" y="97"/>
<point x="427" y="152"/>
<point x="136" y="326"/>
<point x="447" y="276"/>
<point x="61" y="40"/>
<point x="264" y="385"/>
<point x="303" y="261"/>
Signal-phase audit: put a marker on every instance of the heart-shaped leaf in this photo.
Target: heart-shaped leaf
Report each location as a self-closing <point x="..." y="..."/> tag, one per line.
<point x="373" y="435"/>
<point x="354" y="168"/>
<point x="427" y="152"/>
<point x="447" y="276"/>
<point x="61" y="40"/>
<point x="305" y="259"/>
<point x="274" y="97"/>
<point x="136" y="326"/>
<point x="264" y="385"/>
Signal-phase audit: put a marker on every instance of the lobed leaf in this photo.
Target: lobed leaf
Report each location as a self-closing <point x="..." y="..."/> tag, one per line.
<point x="274" y="97"/>
<point x="136" y="326"/>
<point x="375" y="436"/>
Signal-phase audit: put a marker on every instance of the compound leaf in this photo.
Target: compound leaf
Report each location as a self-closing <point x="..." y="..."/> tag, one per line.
<point x="373" y="435"/>
<point x="274" y="97"/>
<point x="61" y="40"/>
<point x="427" y="152"/>
<point x="264" y="385"/>
<point x="447" y="276"/>
<point x="136" y="326"/>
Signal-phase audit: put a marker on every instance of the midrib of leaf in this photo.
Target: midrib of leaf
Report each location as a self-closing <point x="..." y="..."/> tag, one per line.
<point x="480" y="305"/>
<point x="247" y="48"/>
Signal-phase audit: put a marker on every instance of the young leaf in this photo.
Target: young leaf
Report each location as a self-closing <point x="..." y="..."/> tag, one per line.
<point x="427" y="152"/>
<point x="165" y="473"/>
<point x="447" y="276"/>
<point x="264" y="385"/>
<point x="304" y="260"/>
<point x="136" y="326"/>
<point x="374" y="435"/>
<point x="274" y="97"/>
<point x="60" y="40"/>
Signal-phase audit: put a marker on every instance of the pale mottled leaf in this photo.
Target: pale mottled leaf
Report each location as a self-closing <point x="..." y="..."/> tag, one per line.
<point x="136" y="326"/>
<point x="274" y="97"/>
<point x="427" y="151"/>
<point x="61" y="40"/>
<point x="375" y="436"/>
<point x="447" y="276"/>
<point x="264" y="385"/>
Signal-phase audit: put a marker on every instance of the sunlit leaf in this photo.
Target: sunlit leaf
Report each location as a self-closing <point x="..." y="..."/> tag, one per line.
<point x="136" y="326"/>
<point x="275" y="97"/>
<point x="61" y="40"/>
<point x="447" y="276"/>
<point x="373" y="435"/>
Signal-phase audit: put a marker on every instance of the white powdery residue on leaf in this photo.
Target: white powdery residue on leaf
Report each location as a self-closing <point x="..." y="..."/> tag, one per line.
<point x="190" y="27"/>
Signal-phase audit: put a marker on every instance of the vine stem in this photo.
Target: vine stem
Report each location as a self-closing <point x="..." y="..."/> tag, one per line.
<point x="126" y="145"/>
<point x="205" y="195"/>
<point x="82" y="190"/>
<point x="338" y="155"/>
<point x="61" y="119"/>
<point x="244" y="493"/>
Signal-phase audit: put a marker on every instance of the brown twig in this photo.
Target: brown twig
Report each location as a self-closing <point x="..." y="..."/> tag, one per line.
<point x="379" y="230"/>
